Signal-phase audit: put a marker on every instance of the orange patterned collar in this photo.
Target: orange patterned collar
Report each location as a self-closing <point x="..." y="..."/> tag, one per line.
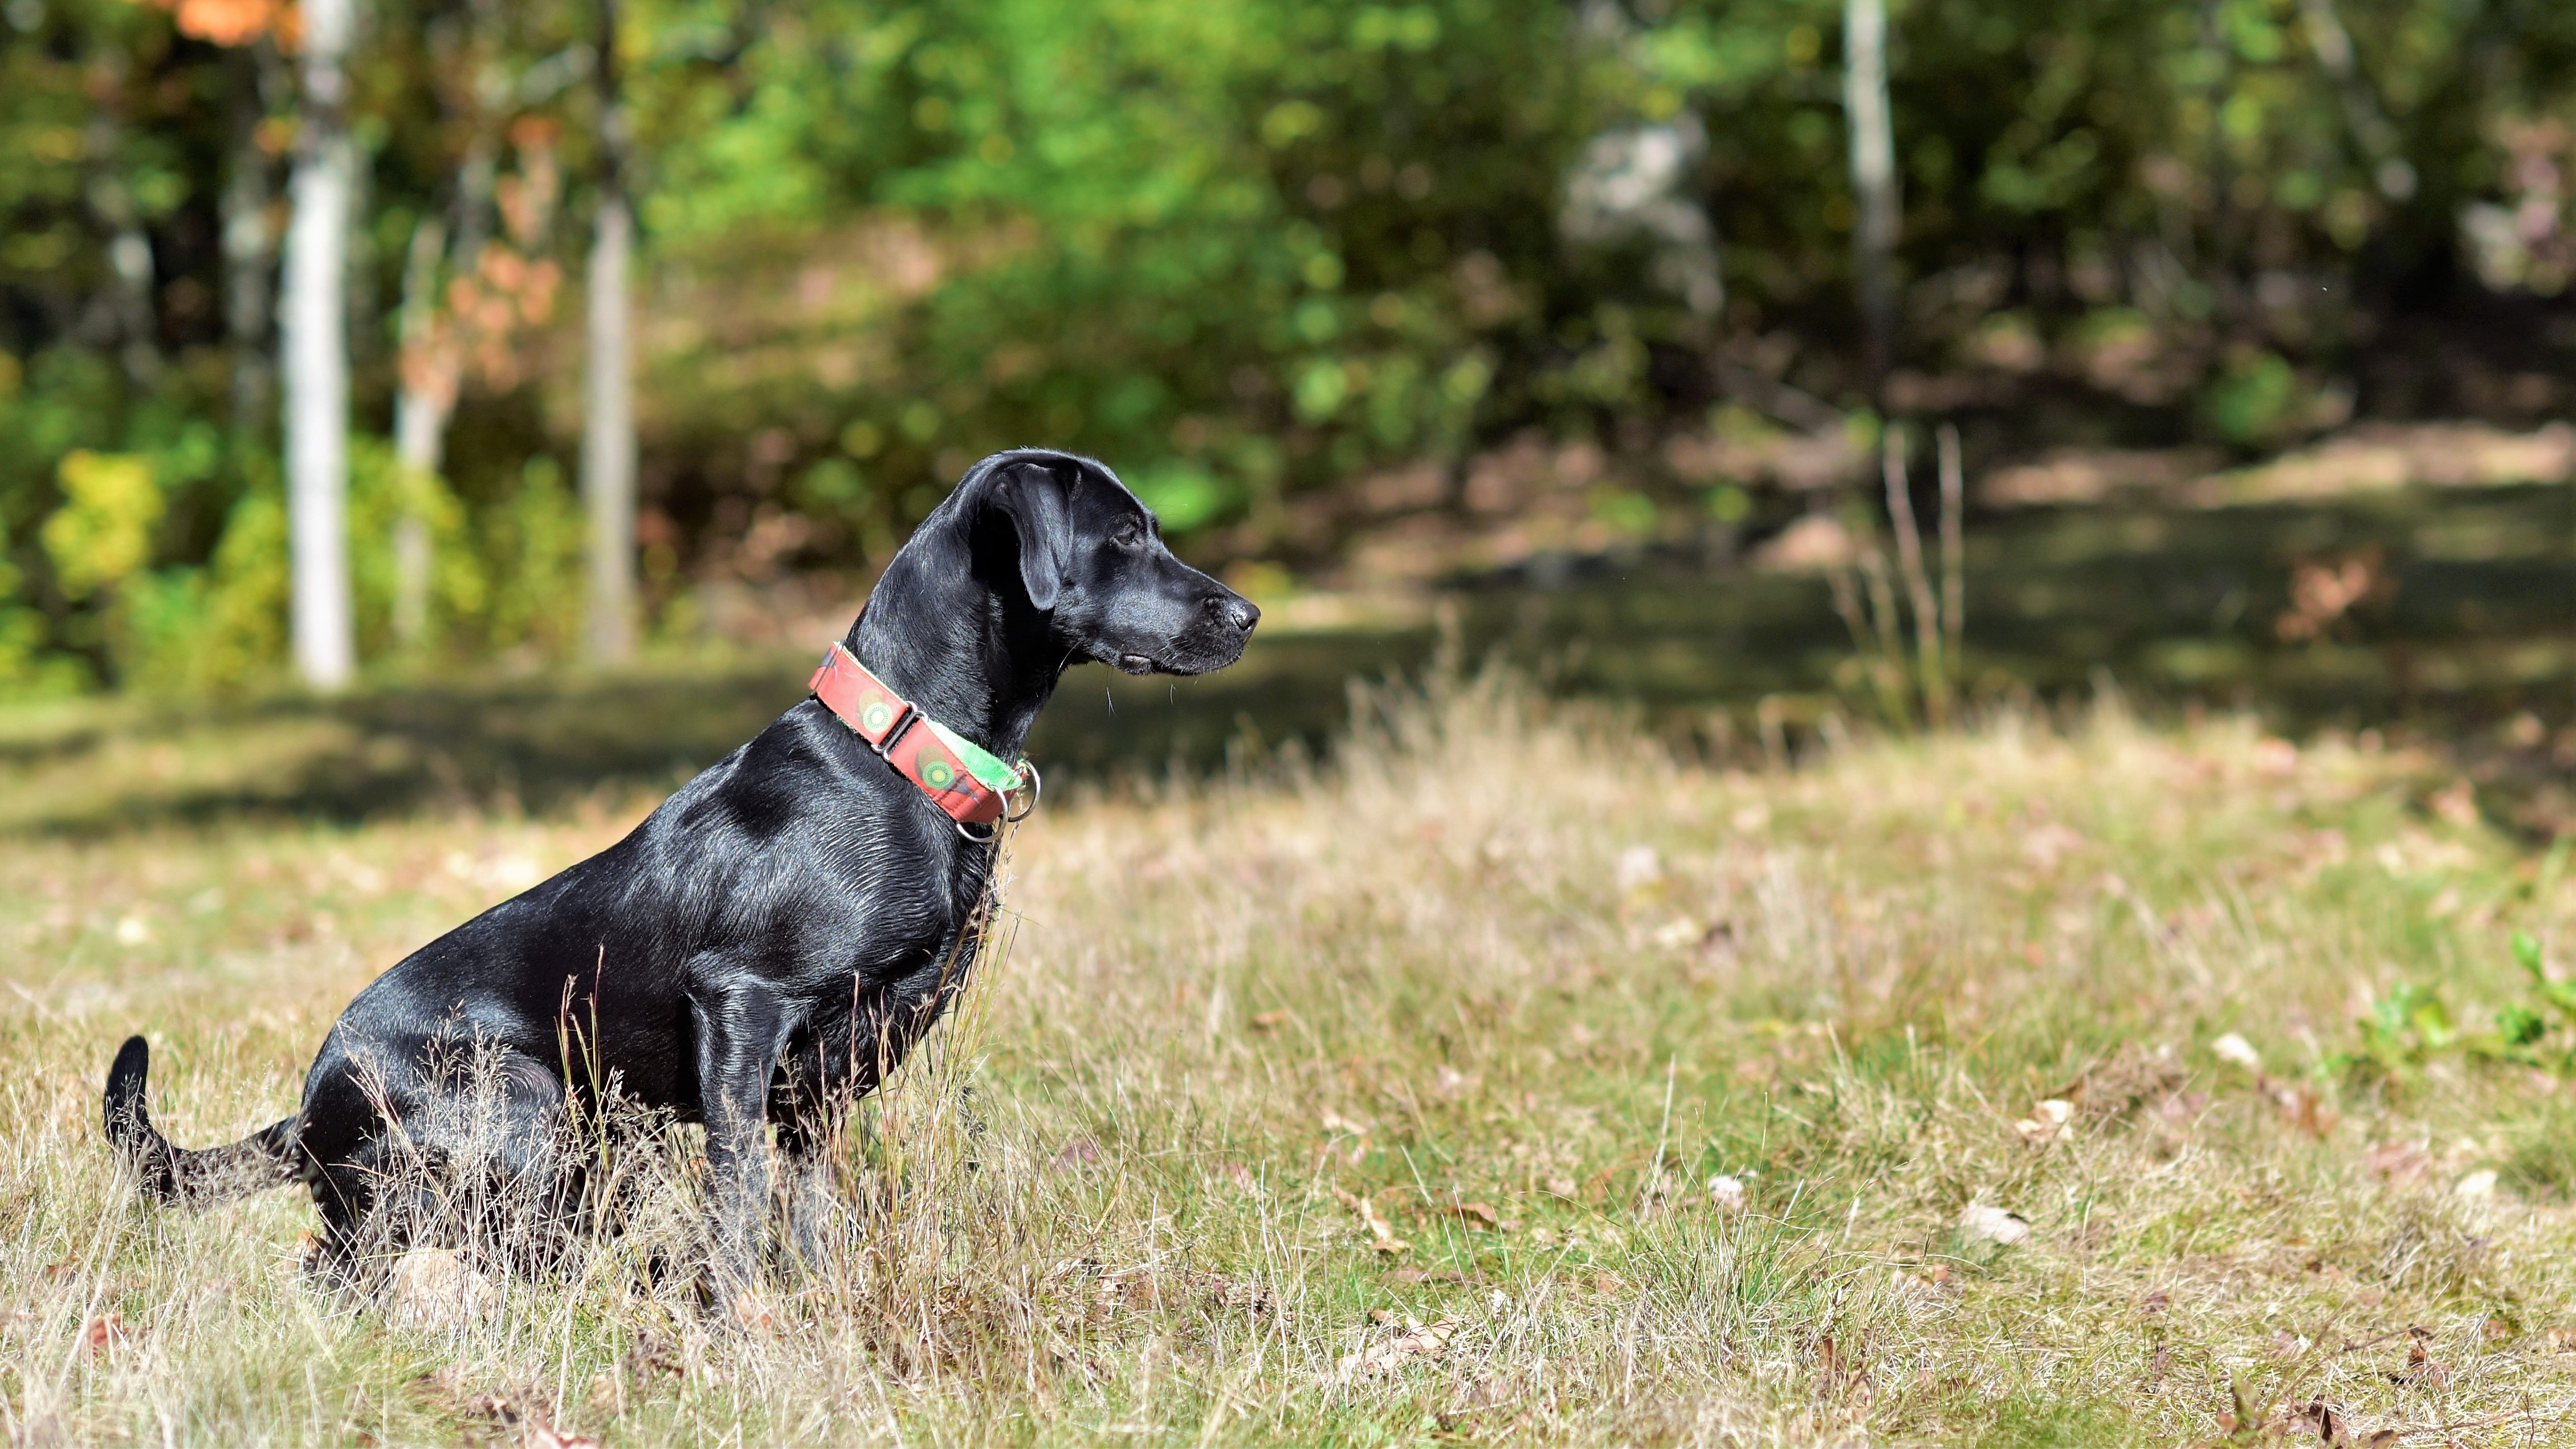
<point x="960" y="777"/>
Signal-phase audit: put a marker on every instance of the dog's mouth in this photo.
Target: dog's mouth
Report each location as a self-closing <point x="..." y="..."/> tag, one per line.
<point x="1141" y="664"/>
<point x="1185" y="655"/>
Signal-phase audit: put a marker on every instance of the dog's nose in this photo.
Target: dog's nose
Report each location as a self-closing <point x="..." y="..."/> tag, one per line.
<point x="1237" y="611"/>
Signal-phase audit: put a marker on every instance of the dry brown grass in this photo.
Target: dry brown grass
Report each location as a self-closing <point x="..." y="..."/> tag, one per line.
<point x="1505" y="989"/>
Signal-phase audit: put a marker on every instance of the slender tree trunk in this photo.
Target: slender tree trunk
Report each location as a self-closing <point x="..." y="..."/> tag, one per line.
<point x="250" y="251"/>
<point x="2389" y="171"/>
<point x="1954" y="568"/>
<point x="421" y="410"/>
<point x="1873" y="175"/>
<point x="433" y="367"/>
<point x="317" y="354"/>
<point x="608" y="413"/>
<point x="124" y="312"/>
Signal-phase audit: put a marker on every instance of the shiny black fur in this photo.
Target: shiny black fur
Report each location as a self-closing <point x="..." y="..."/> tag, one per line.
<point x="768" y="942"/>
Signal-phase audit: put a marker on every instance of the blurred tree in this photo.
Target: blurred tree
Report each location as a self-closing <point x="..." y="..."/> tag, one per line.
<point x="608" y="399"/>
<point x="317" y="350"/>
<point x="1280" y="263"/>
<point x="1873" y="172"/>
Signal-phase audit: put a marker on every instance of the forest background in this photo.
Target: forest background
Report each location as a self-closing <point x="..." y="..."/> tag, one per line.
<point x="1532" y="275"/>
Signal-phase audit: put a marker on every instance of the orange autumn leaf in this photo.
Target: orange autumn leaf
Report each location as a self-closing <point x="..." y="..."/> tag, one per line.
<point x="231" y="22"/>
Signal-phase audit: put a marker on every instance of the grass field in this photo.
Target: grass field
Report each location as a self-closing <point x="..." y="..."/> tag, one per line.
<point x="1505" y="1081"/>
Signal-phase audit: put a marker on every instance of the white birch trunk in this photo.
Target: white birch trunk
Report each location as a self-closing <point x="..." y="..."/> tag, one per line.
<point x="608" y="437"/>
<point x="250" y="255"/>
<point x="1873" y="175"/>
<point x="608" y="403"/>
<point x="420" y="427"/>
<point x="317" y="356"/>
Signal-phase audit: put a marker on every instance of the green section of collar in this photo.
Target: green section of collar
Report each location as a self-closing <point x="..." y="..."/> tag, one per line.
<point x="979" y="761"/>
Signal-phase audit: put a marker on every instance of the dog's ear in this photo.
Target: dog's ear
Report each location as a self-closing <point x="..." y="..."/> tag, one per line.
<point x="1032" y="497"/>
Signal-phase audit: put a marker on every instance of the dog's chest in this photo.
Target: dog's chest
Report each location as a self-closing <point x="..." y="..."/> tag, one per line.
<point x="896" y="917"/>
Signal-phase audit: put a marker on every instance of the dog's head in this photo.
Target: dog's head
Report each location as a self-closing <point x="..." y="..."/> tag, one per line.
<point x="1090" y="557"/>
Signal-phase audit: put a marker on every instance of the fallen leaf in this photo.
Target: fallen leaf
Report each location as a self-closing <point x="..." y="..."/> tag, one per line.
<point x="437" y="1288"/>
<point x="2181" y="1107"/>
<point x="2045" y="1121"/>
<point x="2156" y="1301"/>
<point x="2421" y="1371"/>
<point x="1382" y="1238"/>
<point x="1638" y="867"/>
<point x="654" y="1354"/>
<point x="749" y="1312"/>
<point x="1481" y="1214"/>
<point x="2234" y="1048"/>
<point x="1243" y="1178"/>
<point x="1244" y="1294"/>
<point x="1269" y="1020"/>
<point x="1679" y="932"/>
<point x="1414" y="1340"/>
<point x="2397" y="1162"/>
<point x="2321" y="1419"/>
<point x="1335" y="1122"/>
<point x="1984" y="1223"/>
<point x="2275" y="757"/>
<point x="1728" y="1192"/>
<point x="1133" y="1288"/>
<point x="2044" y="846"/>
<point x="102" y="1333"/>
<point x="542" y="1435"/>
<point x="2562" y="1340"/>
<point x="607" y="1393"/>
<point x="1080" y="1150"/>
<point x="2304" y="1109"/>
<point x="2458" y="804"/>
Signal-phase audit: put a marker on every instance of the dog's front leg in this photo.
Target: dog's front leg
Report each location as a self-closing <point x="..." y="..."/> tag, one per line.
<point x="739" y="1038"/>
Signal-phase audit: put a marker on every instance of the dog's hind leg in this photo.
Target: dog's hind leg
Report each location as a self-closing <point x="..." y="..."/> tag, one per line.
<point x="443" y="1144"/>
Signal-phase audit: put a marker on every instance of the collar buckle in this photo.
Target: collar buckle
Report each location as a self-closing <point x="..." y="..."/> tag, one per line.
<point x="905" y="717"/>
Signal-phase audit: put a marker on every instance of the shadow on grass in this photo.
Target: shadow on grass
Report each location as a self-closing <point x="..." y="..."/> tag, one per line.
<point x="2468" y="640"/>
<point x="533" y="743"/>
<point x="541" y="742"/>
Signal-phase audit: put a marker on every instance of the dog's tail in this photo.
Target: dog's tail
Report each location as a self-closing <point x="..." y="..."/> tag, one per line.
<point x="168" y="1173"/>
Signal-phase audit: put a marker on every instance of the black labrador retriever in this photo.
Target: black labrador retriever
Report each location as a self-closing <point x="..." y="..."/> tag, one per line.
<point x="770" y="940"/>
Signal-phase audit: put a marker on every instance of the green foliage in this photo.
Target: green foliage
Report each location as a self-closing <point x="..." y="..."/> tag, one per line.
<point x="213" y="629"/>
<point x="2410" y="1026"/>
<point x="532" y="546"/>
<point x="103" y="531"/>
<point x="1243" y="252"/>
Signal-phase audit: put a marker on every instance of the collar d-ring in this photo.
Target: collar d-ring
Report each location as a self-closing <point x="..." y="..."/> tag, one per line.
<point x="1037" y="787"/>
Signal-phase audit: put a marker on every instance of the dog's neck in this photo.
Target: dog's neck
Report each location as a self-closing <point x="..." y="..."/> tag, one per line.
<point x="950" y="631"/>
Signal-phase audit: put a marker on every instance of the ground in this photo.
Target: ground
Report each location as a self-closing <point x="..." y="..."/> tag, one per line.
<point x="1502" y="1080"/>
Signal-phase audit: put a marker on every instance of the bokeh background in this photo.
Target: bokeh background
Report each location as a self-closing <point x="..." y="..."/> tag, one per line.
<point x="1584" y="335"/>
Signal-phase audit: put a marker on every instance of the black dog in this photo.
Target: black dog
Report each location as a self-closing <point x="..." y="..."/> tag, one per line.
<point x="767" y="944"/>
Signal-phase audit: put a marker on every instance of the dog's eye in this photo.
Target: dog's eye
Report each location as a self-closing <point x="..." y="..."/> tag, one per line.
<point x="1129" y="532"/>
